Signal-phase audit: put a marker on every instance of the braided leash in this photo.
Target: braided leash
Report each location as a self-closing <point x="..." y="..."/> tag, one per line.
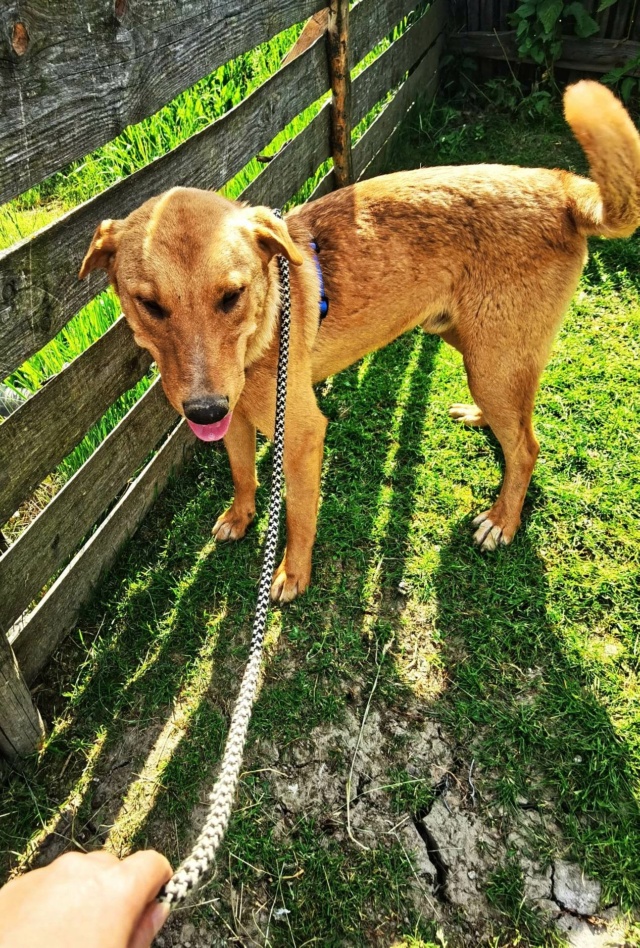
<point x="197" y="865"/>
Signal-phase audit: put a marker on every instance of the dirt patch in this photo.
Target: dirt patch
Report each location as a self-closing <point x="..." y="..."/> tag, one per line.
<point x="454" y="844"/>
<point x="374" y="781"/>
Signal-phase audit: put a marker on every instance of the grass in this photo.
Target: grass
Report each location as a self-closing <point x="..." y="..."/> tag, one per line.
<point x="528" y="658"/>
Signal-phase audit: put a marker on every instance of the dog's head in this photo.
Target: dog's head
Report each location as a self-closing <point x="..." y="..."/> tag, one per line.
<point x="192" y="271"/>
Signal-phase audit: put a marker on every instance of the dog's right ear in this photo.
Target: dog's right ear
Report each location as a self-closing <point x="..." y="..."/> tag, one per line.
<point x="102" y="249"/>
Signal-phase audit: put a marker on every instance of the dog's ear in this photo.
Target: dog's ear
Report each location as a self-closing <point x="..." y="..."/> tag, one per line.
<point x="273" y="235"/>
<point x="102" y="249"/>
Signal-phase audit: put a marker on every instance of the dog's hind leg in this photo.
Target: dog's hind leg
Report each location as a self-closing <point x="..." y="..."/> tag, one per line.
<point x="506" y="400"/>
<point x="462" y="413"/>
<point x="240" y="442"/>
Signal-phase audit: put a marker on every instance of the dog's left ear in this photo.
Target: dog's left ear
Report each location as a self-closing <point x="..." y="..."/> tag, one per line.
<point x="273" y="235"/>
<point x="102" y="249"/>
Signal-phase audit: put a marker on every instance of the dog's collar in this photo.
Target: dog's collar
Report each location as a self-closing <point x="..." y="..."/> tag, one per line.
<point x="324" y="302"/>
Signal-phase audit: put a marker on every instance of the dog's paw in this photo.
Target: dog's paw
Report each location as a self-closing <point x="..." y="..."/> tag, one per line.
<point x="231" y="525"/>
<point x="467" y="415"/>
<point x="288" y="584"/>
<point x="491" y="534"/>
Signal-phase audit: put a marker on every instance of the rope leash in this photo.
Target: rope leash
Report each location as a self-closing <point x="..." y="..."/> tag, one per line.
<point x="197" y="865"/>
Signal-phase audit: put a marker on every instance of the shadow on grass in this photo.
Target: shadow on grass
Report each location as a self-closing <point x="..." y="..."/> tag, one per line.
<point x="522" y="703"/>
<point x="174" y="619"/>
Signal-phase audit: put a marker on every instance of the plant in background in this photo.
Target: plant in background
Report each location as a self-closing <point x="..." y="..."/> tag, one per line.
<point x="538" y="26"/>
<point x="626" y="85"/>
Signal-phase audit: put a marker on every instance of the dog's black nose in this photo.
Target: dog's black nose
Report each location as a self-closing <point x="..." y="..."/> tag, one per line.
<point x="207" y="410"/>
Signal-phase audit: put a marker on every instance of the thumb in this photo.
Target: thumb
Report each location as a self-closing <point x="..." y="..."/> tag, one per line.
<point x="151" y="921"/>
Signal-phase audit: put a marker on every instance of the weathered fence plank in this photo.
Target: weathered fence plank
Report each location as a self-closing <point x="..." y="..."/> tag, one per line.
<point x="387" y="71"/>
<point x="371" y="22"/>
<point x="80" y="74"/>
<point x="39" y="289"/>
<point x="35" y="637"/>
<point x="52" y="422"/>
<point x="52" y="537"/>
<point x="368" y="153"/>
<point x="313" y="28"/>
<point x="293" y="165"/>
<point x="590" y="55"/>
<point x="21" y="727"/>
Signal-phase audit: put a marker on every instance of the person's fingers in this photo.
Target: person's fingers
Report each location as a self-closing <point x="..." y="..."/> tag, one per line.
<point x="147" y="871"/>
<point x="100" y="856"/>
<point x="77" y="861"/>
<point x="153" y="918"/>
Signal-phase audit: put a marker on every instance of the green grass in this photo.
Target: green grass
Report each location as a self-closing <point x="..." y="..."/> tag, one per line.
<point x="528" y="658"/>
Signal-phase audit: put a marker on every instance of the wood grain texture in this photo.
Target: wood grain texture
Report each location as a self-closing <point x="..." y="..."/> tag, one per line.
<point x="387" y="70"/>
<point x="593" y="55"/>
<point x="372" y="20"/>
<point x="340" y="76"/>
<point x="52" y="538"/>
<point x="36" y="636"/>
<point x="293" y="164"/>
<point x="21" y="727"/>
<point x="39" y="288"/>
<point x="622" y="27"/>
<point x="81" y="74"/>
<point x="313" y="28"/>
<point x="384" y="73"/>
<point x="36" y="437"/>
<point x="369" y="154"/>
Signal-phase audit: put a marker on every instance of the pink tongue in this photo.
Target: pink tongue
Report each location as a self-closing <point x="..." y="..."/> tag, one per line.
<point x="211" y="432"/>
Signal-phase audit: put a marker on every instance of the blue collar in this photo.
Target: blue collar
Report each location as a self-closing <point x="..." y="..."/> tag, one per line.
<point x="324" y="302"/>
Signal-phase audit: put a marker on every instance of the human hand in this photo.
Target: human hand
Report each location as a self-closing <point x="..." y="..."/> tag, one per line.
<point x="89" y="900"/>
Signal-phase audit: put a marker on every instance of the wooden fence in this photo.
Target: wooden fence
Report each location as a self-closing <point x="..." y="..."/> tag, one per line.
<point x="69" y="84"/>
<point x="483" y="29"/>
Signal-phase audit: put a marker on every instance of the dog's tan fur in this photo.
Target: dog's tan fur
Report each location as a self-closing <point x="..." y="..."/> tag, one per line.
<point x="485" y="256"/>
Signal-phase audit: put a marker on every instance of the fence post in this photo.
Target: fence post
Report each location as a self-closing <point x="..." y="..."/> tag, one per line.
<point x="338" y="48"/>
<point x="21" y="727"/>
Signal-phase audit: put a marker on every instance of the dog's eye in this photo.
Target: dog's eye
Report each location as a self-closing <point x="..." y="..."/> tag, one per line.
<point x="153" y="309"/>
<point x="230" y="299"/>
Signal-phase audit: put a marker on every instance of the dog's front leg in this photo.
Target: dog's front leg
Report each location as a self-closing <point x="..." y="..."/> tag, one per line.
<point x="304" y="441"/>
<point x="240" y="442"/>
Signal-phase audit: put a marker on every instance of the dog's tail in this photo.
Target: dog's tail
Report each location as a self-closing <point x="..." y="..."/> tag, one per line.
<point x="611" y="143"/>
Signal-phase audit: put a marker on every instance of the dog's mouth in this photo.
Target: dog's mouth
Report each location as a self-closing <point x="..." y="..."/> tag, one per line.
<point x="211" y="432"/>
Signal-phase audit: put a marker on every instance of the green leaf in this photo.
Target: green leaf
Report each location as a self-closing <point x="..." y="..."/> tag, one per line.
<point x="585" y="25"/>
<point x="605" y="4"/>
<point x="626" y="88"/>
<point x="549" y="13"/>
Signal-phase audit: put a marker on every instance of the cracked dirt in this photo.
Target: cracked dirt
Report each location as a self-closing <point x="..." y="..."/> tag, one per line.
<point x="454" y="844"/>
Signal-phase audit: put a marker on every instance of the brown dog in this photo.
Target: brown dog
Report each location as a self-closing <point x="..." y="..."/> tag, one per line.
<point x="485" y="256"/>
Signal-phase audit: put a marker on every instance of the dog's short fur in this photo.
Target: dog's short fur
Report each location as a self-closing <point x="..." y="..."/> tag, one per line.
<point x="485" y="256"/>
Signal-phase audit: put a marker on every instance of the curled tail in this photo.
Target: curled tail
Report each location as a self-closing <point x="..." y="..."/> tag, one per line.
<point x="611" y="143"/>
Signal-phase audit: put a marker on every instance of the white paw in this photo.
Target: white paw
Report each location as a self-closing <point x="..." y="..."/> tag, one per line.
<point x="489" y="536"/>
<point x="230" y="527"/>
<point x="467" y="415"/>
